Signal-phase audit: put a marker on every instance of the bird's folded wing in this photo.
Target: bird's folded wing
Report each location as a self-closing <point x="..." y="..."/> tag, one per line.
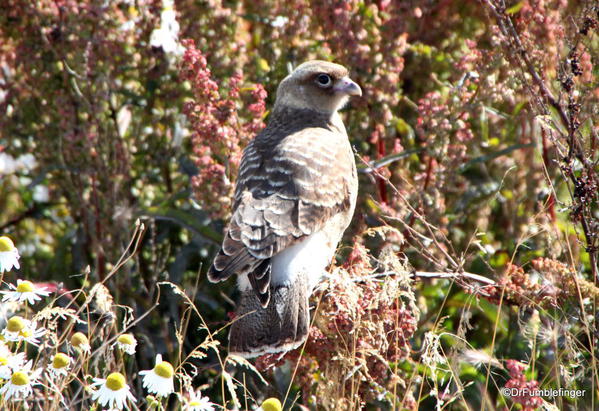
<point x="281" y="197"/>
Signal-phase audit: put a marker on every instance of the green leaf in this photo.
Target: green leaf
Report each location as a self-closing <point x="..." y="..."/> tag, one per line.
<point x="491" y="156"/>
<point x="189" y="219"/>
<point x="385" y="161"/>
<point x="404" y="129"/>
<point x="496" y="112"/>
<point x="519" y="107"/>
<point x="484" y="125"/>
<point x="515" y="8"/>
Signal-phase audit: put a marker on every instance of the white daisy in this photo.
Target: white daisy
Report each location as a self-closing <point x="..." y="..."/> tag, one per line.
<point x="20" y="329"/>
<point x="60" y="365"/>
<point x="9" y="255"/>
<point x="80" y="342"/>
<point x="279" y="21"/>
<point x="9" y="361"/>
<point x="21" y="382"/>
<point x="25" y="290"/>
<point x="14" y="326"/>
<point x="198" y="403"/>
<point x="166" y="37"/>
<point x="159" y="380"/>
<point x="113" y="391"/>
<point x="127" y="343"/>
<point x="8" y="164"/>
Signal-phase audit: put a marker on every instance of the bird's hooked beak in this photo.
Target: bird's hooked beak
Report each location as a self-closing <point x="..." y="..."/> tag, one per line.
<point x="347" y="86"/>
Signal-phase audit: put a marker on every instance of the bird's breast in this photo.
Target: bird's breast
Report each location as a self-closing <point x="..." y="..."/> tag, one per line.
<point x="310" y="257"/>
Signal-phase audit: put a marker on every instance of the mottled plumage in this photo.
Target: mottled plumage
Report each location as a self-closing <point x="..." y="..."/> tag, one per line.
<point x="295" y="195"/>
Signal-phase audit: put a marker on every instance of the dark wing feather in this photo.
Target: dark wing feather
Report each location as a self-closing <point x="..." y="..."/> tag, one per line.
<point x="260" y="281"/>
<point x="285" y="191"/>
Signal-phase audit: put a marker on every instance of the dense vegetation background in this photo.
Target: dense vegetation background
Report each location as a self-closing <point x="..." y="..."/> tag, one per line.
<point x="477" y="140"/>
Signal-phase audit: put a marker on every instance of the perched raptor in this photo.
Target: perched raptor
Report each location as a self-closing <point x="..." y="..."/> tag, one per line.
<point x="294" y="198"/>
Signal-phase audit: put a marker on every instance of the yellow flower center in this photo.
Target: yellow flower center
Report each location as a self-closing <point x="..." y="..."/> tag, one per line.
<point x="272" y="404"/>
<point x="25" y="333"/>
<point x="3" y="361"/>
<point x="60" y="361"/>
<point x="164" y="369"/>
<point x="126" y="339"/>
<point x="78" y="339"/>
<point x="6" y="244"/>
<point x="19" y="378"/>
<point x="25" y="287"/>
<point x="15" y="324"/>
<point x="115" y="381"/>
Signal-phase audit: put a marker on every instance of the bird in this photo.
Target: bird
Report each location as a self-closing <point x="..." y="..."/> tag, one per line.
<point x="294" y="197"/>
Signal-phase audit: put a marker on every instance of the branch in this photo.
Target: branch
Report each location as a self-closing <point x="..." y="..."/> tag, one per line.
<point x="426" y="274"/>
<point x="456" y="276"/>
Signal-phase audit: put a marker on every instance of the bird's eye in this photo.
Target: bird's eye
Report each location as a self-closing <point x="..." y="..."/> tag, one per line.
<point x="324" y="80"/>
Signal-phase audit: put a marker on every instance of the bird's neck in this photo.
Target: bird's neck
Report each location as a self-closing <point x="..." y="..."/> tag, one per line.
<point x="285" y="121"/>
<point x="296" y="118"/>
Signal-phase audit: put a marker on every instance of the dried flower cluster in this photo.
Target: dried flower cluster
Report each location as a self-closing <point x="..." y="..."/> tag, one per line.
<point x="219" y="130"/>
<point x="368" y="321"/>
<point x="549" y="284"/>
<point x="519" y="381"/>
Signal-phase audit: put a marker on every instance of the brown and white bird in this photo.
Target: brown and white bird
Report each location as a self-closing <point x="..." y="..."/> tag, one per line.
<point x="294" y="198"/>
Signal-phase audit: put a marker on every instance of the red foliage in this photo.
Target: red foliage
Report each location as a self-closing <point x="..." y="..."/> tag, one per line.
<point x="219" y="130"/>
<point x="521" y="385"/>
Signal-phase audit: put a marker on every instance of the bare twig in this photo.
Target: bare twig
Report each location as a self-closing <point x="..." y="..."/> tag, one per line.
<point x="427" y="274"/>
<point x="464" y="275"/>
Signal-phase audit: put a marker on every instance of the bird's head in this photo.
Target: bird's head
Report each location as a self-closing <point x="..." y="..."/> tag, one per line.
<point x="317" y="85"/>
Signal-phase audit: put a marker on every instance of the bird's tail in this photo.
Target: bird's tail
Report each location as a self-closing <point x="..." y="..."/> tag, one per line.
<point x="280" y="326"/>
